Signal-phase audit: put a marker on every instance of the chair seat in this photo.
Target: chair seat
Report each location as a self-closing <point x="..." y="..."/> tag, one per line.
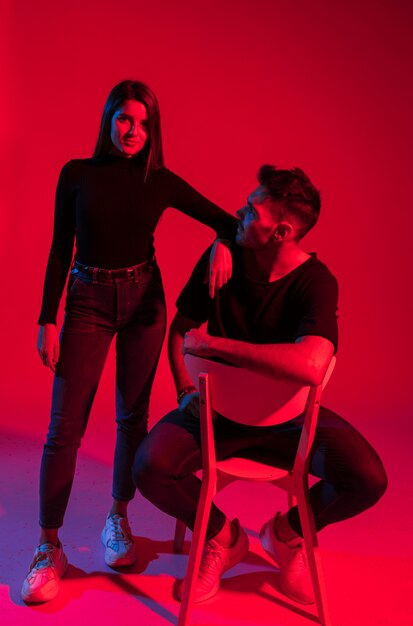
<point x="248" y="469"/>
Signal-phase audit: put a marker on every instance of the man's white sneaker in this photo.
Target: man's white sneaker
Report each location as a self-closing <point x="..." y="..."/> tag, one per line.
<point x="292" y="561"/>
<point x="215" y="561"/>
<point x="48" y="566"/>
<point x="117" y="538"/>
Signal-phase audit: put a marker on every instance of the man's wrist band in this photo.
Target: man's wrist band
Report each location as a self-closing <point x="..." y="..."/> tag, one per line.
<point x="184" y="391"/>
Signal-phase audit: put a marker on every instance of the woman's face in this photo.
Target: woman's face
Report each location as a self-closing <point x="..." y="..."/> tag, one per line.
<point x="129" y="128"/>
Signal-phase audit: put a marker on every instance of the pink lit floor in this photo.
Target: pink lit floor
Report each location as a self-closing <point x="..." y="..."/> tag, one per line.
<point x="367" y="560"/>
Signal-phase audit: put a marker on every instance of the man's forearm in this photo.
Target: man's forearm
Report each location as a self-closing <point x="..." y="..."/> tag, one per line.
<point x="304" y="361"/>
<point x="176" y="359"/>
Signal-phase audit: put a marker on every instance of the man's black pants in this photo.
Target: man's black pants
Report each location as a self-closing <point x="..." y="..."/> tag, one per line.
<point x="352" y="477"/>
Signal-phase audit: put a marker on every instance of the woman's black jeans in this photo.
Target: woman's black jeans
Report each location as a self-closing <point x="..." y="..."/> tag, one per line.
<point x="352" y="475"/>
<point x="97" y="308"/>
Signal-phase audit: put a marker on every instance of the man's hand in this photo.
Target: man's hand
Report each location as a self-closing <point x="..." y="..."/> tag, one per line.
<point x="220" y="265"/>
<point x="198" y="342"/>
<point x="48" y="345"/>
<point x="190" y="404"/>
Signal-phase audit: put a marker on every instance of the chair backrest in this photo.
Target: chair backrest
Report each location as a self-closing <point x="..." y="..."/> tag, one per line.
<point x="250" y="398"/>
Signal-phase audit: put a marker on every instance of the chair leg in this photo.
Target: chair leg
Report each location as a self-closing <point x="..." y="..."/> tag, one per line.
<point x="197" y="544"/>
<point x="180" y="530"/>
<point x="313" y="555"/>
<point x="292" y="501"/>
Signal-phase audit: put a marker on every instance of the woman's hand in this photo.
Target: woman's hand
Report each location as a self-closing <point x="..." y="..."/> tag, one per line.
<point x="48" y="345"/>
<point x="220" y="265"/>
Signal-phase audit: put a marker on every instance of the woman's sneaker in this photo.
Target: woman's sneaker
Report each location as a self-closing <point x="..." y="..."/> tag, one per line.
<point x="47" y="568"/>
<point x="292" y="561"/>
<point x="117" y="539"/>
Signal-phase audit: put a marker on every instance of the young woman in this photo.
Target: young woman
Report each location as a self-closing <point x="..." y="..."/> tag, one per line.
<point x="110" y="204"/>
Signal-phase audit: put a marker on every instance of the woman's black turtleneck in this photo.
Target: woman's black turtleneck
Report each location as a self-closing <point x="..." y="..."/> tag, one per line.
<point x="112" y="210"/>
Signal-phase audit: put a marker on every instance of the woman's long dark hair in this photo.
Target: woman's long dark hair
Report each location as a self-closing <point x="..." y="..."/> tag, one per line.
<point x="152" y="153"/>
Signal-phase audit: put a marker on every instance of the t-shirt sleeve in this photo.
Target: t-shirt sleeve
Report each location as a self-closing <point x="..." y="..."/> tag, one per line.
<point x="61" y="250"/>
<point x="319" y="306"/>
<point x="186" y="199"/>
<point x="193" y="301"/>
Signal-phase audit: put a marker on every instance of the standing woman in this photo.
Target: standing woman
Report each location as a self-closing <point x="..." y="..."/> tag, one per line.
<point x="110" y="204"/>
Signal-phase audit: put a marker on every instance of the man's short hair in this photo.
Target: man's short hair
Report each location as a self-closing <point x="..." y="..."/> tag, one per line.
<point x="296" y="193"/>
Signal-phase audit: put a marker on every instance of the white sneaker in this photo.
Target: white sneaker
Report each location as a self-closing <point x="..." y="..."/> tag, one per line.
<point x="216" y="560"/>
<point x="48" y="566"/>
<point x="292" y="561"/>
<point x="117" y="538"/>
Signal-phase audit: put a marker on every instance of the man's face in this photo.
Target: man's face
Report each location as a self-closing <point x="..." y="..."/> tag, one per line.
<point x="256" y="221"/>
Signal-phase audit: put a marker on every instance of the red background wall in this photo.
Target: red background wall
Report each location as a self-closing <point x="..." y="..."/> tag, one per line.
<point x="315" y="84"/>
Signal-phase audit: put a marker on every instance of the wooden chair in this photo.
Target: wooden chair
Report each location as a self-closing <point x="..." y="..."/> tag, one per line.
<point x="249" y="398"/>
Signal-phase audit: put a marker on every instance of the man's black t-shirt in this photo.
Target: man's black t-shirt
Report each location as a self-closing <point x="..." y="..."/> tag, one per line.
<point x="304" y="302"/>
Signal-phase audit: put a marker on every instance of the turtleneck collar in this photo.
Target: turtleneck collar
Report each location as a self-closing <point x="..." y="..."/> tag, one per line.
<point x="120" y="161"/>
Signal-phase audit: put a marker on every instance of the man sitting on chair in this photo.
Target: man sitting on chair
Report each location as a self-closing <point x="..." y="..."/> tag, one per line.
<point x="276" y="316"/>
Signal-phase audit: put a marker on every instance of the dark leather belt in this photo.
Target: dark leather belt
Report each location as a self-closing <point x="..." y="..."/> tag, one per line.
<point x="124" y="272"/>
